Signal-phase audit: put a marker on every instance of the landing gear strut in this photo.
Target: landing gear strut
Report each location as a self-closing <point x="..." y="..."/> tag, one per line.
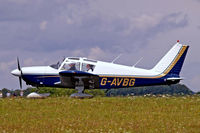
<point x="79" y="86"/>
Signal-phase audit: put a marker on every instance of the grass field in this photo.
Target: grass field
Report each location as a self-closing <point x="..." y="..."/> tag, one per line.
<point x="116" y="114"/>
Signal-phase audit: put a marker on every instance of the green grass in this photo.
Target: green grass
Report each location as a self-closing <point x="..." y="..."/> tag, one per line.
<point x="117" y="114"/>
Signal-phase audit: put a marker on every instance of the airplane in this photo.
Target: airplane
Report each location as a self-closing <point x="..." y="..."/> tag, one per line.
<point x="82" y="73"/>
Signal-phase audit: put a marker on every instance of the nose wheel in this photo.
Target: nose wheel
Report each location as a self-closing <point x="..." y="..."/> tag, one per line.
<point x="79" y="86"/>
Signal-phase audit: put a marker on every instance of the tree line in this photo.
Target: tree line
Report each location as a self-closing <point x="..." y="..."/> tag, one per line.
<point x="177" y="89"/>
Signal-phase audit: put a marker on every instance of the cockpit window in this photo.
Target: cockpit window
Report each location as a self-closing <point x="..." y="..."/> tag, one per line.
<point x="90" y="60"/>
<point x="70" y="66"/>
<point x="88" y="67"/>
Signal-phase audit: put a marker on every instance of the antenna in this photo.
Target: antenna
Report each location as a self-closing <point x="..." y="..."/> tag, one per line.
<point x="116" y="58"/>
<point x="63" y="58"/>
<point x="137" y="62"/>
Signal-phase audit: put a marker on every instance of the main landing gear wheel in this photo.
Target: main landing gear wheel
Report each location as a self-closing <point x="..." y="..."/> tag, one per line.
<point x="80" y="87"/>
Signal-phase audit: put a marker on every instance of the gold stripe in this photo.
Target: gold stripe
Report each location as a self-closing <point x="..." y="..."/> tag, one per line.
<point x="48" y="76"/>
<point x="174" y="63"/>
<point x="116" y="76"/>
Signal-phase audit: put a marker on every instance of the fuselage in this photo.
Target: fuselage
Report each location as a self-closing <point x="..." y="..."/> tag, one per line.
<point x="110" y="75"/>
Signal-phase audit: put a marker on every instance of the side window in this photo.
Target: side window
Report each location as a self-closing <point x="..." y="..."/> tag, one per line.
<point x="88" y="67"/>
<point x="71" y="66"/>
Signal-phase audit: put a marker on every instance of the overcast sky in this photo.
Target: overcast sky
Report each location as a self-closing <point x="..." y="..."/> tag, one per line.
<point x="41" y="32"/>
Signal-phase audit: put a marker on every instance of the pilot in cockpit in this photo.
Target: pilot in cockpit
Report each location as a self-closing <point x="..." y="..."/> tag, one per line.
<point x="72" y="66"/>
<point x="90" y="67"/>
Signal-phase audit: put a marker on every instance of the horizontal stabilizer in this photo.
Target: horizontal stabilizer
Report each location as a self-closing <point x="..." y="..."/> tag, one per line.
<point x="173" y="79"/>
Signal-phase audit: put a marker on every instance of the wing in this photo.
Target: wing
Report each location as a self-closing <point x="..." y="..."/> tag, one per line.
<point x="70" y="78"/>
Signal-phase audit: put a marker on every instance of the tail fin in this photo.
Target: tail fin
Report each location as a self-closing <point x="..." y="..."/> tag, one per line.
<point x="170" y="65"/>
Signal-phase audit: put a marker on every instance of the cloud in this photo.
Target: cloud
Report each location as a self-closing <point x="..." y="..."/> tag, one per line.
<point x="73" y="24"/>
<point x="5" y="65"/>
<point x="171" y="22"/>
<point x="96" y="53"/>
<point x="43" y="25"/>
<point x="109" y="34"/>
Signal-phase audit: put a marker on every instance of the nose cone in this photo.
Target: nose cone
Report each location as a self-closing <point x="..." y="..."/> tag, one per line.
<point x="16" y="72"/>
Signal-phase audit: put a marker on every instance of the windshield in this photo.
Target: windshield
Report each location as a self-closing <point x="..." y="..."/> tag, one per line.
<point x="55" y="66"/>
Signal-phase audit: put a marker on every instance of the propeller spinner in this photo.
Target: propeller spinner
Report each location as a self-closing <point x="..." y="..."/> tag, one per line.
<point x="18" y="72"/>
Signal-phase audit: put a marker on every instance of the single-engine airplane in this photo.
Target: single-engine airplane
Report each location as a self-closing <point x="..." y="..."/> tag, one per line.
<point x="83" y="73"/>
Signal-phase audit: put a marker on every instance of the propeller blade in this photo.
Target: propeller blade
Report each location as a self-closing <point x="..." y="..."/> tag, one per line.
<point x="20" y="82"/>
<point x="19" y="68"/>
<point x="20" y="77"/>
<point x="21" y="73"/>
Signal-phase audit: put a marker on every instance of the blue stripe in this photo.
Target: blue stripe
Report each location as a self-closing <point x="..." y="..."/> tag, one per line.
<point x="41" y="80"/>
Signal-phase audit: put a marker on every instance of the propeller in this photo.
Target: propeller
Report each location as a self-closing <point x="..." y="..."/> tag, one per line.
<point x="20" y="77"/>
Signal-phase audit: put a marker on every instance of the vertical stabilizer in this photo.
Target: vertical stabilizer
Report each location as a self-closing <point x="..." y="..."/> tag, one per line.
<point x="172" y="62"/>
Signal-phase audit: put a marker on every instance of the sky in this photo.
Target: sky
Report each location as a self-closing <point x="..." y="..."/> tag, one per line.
<point x="42" y="32"/>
